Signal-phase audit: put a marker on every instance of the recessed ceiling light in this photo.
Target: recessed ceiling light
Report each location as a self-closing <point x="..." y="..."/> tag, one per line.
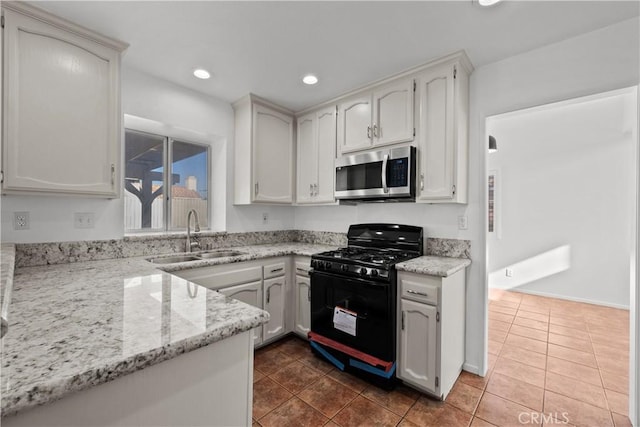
<point x="201" y="73"/>
<point x="310" y="79"/>
<point x="487" y="2"/>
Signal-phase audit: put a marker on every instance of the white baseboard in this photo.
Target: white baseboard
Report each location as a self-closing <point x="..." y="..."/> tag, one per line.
<point x="471" y="369"/>
<point x="564" y="297"/>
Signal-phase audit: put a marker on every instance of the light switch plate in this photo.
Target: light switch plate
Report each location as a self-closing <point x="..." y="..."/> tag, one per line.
<point x="83" y="220"/>
<point x="21" y="220"/>
<point x="265" y="218"/>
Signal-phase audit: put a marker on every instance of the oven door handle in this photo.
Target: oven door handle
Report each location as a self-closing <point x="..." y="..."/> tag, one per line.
<point x="385" y="160"/>
<point x="365" y="282"/>
<point x="359" y="315"/>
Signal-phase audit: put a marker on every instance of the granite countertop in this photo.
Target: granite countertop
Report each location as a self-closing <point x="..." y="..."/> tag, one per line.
<point x="81" y="324"/>
<point x="7" y="261"/>
<point x="76" y="325"/>
<point x="434" y="265"/>
<point x="248" y="253"/>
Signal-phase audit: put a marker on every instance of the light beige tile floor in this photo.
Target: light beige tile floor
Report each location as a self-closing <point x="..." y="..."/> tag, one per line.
<point x="552" y="362"/>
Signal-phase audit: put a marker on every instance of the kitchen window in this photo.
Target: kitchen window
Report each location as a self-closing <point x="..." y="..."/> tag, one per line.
<point x="164" y="179"/>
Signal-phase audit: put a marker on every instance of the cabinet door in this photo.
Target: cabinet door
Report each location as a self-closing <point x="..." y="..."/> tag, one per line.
<point x="418" y="344"/>
<point x="436" y="143"/>
<point x="354" y="124"/>
<point x="274" y="296"/>
<point x="326" y="142"/>
<point x="272" y="155"/>
<point x="250" y="293"/>
<point x="303" y="305"/>
<point x="307" y="159"/>
<point x="393" y="113"/>
<point x="61" y="105"/>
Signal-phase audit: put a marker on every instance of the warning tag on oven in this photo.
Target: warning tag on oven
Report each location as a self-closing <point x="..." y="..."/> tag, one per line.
<point x="345" y="320"/>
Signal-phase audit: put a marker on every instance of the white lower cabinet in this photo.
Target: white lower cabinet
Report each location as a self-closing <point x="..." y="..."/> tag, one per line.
<point x="431" y="323"/>
<point x="262" y="284"/>
<point x="274" y="303"/>
<point x="249" y="293"/>
<point x="418" y="332"/>
<point x="302" y="295"/>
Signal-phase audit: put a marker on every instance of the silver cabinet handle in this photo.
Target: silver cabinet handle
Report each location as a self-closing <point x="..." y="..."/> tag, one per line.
<point x="256" y="188"/>
<point x="385" y="159"/>
<point x="301" y="270"/>
<point x="315" y="186"/>
<point x="403" y="320"/>
<point x="422" y="181"/>
<point x="376" y="131"/>
<point x="310" y="189"/>
<point x="369" y="132"/>
<point x="113" y="175"/>
<point x="309" y="293"/>
<point x="411" y="291"/>
<point x="268" y="295"/>
<point x="275" y="270"/>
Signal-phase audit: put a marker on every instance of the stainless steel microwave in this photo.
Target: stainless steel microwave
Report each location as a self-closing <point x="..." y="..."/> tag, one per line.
<point x="383" y="175"/>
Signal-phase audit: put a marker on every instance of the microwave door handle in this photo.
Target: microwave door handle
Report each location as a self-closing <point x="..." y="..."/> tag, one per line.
<point x="385" y="159"/>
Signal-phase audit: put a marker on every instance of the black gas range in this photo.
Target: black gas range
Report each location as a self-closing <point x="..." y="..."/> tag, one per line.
<point x="367" y="263"/>
<point x="353" y="299"/>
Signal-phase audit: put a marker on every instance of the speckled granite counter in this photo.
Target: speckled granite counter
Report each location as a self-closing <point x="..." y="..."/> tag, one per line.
<point x="81" y="324"/>
<point x="250" y="253"/>
<point x="434" y="265"/>
<point x="7" y="261"/>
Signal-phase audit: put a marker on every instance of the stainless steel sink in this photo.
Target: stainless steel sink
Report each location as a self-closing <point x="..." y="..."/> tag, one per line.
<point x="173" y="259"/>
<point x="218" y="254"/>
<point x="196" y="256"/>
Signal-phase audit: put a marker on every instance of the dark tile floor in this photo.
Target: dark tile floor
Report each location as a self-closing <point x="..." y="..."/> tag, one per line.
<point x="549" y="359"/>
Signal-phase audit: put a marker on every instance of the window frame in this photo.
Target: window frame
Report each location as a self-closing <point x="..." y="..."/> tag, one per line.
<point x="169" y="135"/>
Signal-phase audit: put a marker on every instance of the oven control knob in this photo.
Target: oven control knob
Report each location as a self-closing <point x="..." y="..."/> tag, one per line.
<point x="344" y="267"/>
<point x="374" y="273"/>
<point x="363" y="272"/>
<point x="327" y="265"/>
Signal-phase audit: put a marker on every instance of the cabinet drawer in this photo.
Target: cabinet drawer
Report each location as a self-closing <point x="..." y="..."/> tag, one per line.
<point x="274" y="270"/>
<point x="424" y="289"/>
<point x="217" y="280"/>
<point x="303" y="267"/>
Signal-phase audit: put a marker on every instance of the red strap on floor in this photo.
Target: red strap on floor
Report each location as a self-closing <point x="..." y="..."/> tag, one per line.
<point x="371" y="360"/>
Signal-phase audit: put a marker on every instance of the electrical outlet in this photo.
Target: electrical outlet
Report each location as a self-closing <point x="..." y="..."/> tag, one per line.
<point x="462" y="222"/>
<point x="21" y="220"/>
<point x="508" y="272"/>
<point x="265" y="218"/>
<point x="83" y="220"/>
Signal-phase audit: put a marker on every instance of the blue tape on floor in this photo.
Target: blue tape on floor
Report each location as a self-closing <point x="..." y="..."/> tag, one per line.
<point x="368" y="368"/>
<point x="327" y="356"/>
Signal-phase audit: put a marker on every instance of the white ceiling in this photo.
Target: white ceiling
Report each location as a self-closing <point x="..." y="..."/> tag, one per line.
<point x="266" y="47"/>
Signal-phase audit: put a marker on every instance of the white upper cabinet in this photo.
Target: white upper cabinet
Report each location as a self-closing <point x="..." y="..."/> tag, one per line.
<point x="316" y="154"/>
<point x="442" y="133"/>
<point x="354" y="124"/>
<point x="62" y="125"/>
<point x="307" y="162"/>
<point x="380" y="117"/>
<point x="393" y="113"/>
<point x="263" y="152"/>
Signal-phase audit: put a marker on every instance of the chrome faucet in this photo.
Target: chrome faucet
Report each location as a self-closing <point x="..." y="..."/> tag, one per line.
<point x="195" y="243"/>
